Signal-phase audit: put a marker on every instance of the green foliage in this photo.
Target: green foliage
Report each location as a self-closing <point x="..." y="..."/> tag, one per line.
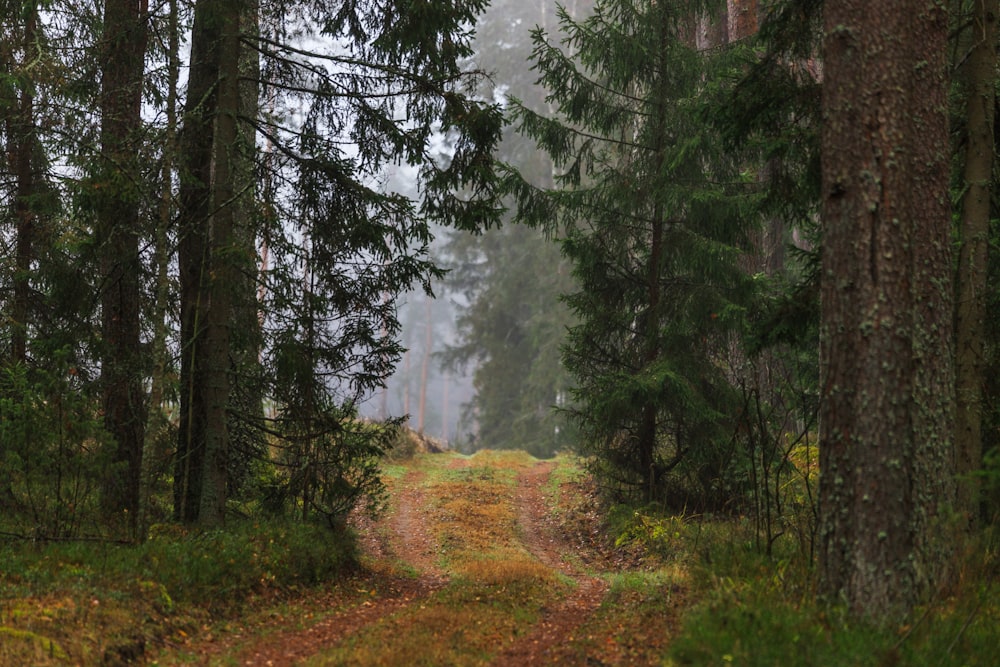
<point x="655" y="218"/>
<point x="758" y="624"/>
<point x="758" y="610"/>
<point x="244" y="559"/>
<point x="511" y="330"/>
<point x="218" y="569"/>
<point x="51" y="454"/>
<point x="513" y="324"/>
<point x="327" y="471"/>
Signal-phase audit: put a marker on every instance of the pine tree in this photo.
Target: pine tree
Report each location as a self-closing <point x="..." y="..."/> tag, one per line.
<point x="513" y="324"/>
<point x="117" y="211"/>
<point x="511" y="331"/>
<point x="651" y="208"/>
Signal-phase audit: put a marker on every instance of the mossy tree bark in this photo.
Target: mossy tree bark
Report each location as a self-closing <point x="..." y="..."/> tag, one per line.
<point x="886" y="320"/>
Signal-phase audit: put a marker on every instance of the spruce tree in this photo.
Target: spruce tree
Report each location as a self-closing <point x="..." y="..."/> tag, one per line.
<point x="652" y="212"/>
<point x="513" y="324"/>
<point x="375" y="84"/>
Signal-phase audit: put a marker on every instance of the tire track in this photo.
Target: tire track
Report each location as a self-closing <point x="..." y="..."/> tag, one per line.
<point x="546" y="642"/>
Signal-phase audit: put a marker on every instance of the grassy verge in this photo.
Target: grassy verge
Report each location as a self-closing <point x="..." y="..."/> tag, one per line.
<point x="772" y="617"/>
<point x="92" y="603"/>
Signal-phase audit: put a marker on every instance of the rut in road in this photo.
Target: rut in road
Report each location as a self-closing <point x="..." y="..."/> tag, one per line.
<point x="540" y="535"/>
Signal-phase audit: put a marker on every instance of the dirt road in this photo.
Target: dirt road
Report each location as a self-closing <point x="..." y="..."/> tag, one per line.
<point x="479" y="561"/>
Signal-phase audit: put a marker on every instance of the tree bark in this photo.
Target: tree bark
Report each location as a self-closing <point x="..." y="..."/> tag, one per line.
<point x="979" y="78"/>
<point x="124" y="50"/>
<point x="24" y="139"/>
<point x="196" y="153"/>
<point x="426" y="363"/>
<point x="222" y="279"/>
<point x="886" y="419"/>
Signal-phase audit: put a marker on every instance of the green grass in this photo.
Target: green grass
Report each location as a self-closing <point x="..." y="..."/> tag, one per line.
<point x="748" y="608"/>
<point x="756" y="625"/>
<point x="90" y="599"/>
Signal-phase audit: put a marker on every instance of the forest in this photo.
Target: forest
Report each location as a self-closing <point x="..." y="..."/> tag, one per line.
<point x="458" y="332"/>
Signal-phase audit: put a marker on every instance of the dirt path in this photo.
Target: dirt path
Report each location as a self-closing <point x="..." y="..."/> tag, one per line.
<point x="540" y="535"/>
<point x="407" y="572"/>
<point x="277" y="642"/>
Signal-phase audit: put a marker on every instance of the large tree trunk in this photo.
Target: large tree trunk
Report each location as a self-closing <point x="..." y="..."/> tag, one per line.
<point x="205" y="255"/>
<point x="246" y="399"/>
<point x="886" y="370"/>
<point x="979" y="78"/>
<point x="195" y="161"/>
<point x="124" y="50"/>
<point x="221" y="280"/>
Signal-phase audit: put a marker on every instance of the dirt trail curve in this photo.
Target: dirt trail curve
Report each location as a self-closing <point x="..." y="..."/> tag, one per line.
<point x="279" y="644"/>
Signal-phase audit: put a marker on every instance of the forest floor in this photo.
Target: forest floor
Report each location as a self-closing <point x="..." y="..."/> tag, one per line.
<point x="494" y="559"/>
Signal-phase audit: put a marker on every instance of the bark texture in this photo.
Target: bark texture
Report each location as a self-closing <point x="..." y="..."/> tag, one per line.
<point x="886" y="370"/>
<point x="23" y="135"/>
<point x="206" y="256"/>
<point x="196" y="183"/>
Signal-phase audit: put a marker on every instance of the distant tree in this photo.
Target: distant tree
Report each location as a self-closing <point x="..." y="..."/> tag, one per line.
<point x="887" y="379"/>
<point x="511" y="332"/>
<point x="652" y="211"/>
<point x="511" y="323"/>
<point x="977" y="77"/>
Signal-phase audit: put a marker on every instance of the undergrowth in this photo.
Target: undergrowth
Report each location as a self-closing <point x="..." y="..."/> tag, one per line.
<point x="96" y="603"/>
<point x="749" y="608"/>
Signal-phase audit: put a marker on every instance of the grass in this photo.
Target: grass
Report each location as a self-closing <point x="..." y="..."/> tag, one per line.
<point x="750" y="609"/>
<point x="90" y="603"/>
<point x="702" y="594"/>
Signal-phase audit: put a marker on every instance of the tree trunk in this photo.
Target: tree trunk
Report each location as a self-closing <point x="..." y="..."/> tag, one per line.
<point x="979" y="77"/>
<point x="426" y="363"/>
<point x="124" y="50"/>
<point x="196" y="152"/>
<point x="23" y="134"/>
<point x="156" y="419"/>
<point x="887" y="378"/>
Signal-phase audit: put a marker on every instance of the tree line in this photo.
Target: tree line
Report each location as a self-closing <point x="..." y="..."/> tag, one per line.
<point x="203" y="254"/>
